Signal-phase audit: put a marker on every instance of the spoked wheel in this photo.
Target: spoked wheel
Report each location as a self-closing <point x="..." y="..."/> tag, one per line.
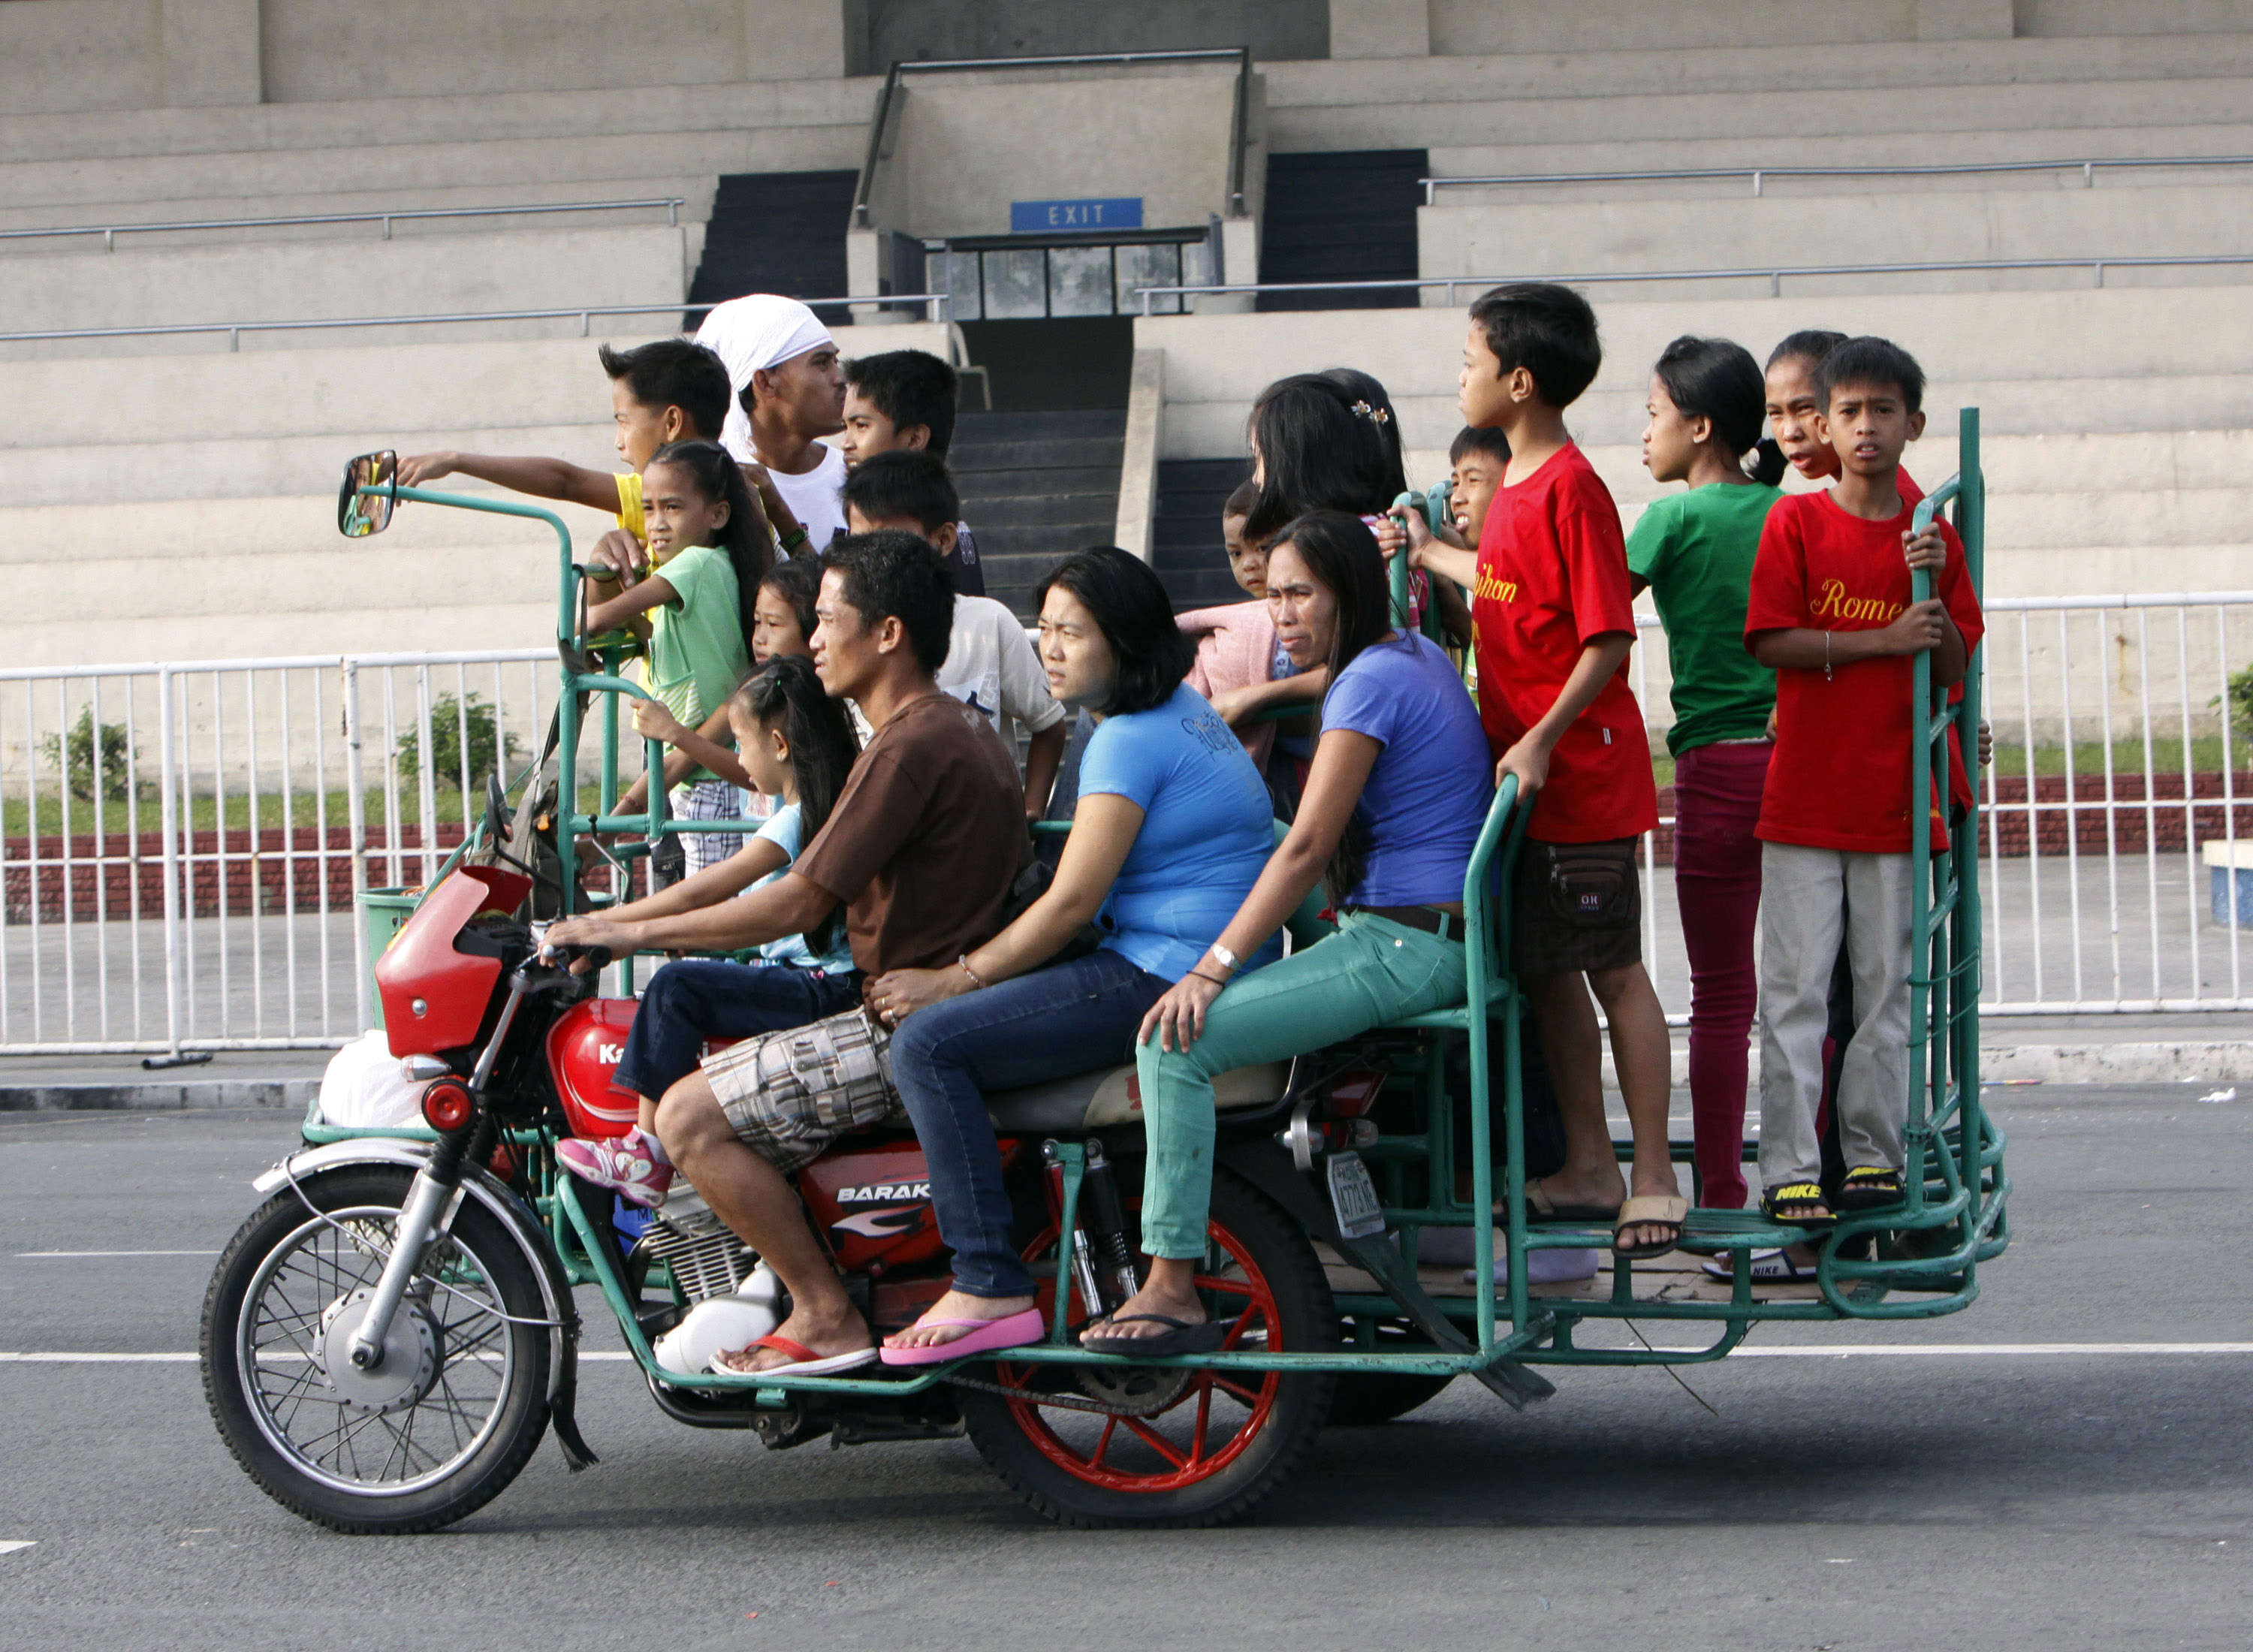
<point x="1152" y="1446"/>
<point x="446" y="1418"/>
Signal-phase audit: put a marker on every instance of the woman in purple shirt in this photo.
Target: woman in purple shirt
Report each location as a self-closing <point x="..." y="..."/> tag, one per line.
<point x="1393" y="807"/>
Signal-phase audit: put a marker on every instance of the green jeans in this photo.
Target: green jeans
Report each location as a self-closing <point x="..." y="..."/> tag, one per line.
<point x="1371" y="971"/>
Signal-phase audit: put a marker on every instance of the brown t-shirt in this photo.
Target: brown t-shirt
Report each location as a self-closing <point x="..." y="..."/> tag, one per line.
<point x="926" y="840"/>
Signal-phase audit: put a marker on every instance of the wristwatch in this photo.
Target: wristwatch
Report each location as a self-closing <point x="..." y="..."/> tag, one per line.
<point x="1228" y="960"/>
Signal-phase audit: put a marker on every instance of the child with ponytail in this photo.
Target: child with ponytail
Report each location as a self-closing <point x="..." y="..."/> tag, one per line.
<point x="1694" y="552"/>
<point x="707" y="552"/>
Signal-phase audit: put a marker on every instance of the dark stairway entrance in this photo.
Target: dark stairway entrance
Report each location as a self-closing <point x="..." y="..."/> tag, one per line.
<point x="1342" y="215"/>
<point x="774" y="233"/>
<point x="1036" y="487"/>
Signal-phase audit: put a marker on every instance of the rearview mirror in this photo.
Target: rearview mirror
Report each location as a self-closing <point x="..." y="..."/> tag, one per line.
<point x="360" y="513"/>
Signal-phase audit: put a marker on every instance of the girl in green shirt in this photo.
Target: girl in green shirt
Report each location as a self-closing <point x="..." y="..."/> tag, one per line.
<point x="1694" y="551"/>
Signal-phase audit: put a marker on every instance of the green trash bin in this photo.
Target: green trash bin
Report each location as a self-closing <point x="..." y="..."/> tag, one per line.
<point x="384" y="912"/>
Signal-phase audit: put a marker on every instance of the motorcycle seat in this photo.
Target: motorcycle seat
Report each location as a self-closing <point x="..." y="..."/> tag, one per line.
<point x="1109" y="1096"/>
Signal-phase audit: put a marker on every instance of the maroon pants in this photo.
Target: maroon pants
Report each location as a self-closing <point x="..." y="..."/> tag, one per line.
<point x="1717" y="879"/>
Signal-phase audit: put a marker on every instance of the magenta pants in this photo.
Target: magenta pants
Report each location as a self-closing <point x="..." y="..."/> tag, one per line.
<point x="1717" y="879"/>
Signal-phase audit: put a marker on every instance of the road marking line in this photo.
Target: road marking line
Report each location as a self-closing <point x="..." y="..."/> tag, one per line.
<point x="1895" y="1351"/>
<point x="21" y="1255"/>
<point x="9" y="1546"/>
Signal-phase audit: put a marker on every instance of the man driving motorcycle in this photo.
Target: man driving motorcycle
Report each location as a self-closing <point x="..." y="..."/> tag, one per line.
<point x="921" y="849"/>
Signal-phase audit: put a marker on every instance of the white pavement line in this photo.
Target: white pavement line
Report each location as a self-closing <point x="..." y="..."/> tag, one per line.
<point x="22" y="1255"/>
<point x="9" y="1546"/>
<point x="1864" y="1351"/>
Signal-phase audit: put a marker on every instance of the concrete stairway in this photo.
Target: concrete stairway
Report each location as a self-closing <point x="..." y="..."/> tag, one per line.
<point x="1036" y="487"/>
<point x="1185" y="533"/>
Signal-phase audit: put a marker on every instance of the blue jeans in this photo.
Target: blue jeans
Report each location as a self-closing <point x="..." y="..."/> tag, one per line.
<point x="693" y="999"/>
<point x="1071" y="1017"/>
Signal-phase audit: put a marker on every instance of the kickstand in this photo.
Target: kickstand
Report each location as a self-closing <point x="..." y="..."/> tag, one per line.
<point x="178" y="1058"/>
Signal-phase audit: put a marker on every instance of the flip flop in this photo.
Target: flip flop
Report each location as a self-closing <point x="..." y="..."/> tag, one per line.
<point x="1540" y="1206"/>
<point x="1870" y="1188"/>
<point x="985" y="1336"/>
<point x="1183" y="1338"/>
<point x="1769" y="1267"/>
<point x="804" y="1360"/>
<point x="1650" y="1210"/>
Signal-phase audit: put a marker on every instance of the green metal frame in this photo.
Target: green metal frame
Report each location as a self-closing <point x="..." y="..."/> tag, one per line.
<point x="1953" y="1218"/>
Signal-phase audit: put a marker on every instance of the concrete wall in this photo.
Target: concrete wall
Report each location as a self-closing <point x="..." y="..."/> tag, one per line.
<point x="967" y="145"/>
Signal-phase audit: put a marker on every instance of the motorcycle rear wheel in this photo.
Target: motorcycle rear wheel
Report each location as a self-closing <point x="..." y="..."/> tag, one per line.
<point x="1203" y="1448"/>
<point x="460" y="1402"/>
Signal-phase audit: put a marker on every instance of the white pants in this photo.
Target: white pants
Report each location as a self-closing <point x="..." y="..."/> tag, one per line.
<point x="1808" y="898"/>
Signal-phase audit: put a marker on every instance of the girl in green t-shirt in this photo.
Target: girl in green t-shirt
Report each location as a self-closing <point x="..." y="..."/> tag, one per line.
<point x="709" y="549"/>
<point x="1694" y="551"/>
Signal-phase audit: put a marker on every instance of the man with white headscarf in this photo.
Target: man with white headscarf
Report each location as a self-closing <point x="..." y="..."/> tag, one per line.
<point x="790" y="390"/>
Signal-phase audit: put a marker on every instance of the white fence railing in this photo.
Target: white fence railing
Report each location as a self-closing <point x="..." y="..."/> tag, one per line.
<point x="184" y="842"/>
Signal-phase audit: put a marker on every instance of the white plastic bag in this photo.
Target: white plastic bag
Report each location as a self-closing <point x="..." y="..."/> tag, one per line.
<point x="364" y="1088"/>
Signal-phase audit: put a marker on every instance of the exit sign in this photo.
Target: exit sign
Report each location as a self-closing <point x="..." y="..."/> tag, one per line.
<point x="1032" y="218"/>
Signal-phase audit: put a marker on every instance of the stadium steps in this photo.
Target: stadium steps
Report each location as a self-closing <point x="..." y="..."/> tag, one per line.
<point x="775" y="233"/>
<point x="1334" y="215"/>
<point x="1036" y="486"/>
<point x="1185" y="545"/>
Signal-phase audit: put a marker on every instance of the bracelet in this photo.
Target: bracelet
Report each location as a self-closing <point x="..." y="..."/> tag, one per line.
<point x="1826" y="656"/>
<point x="963" y="964"/>
<point x="1202" y="976"/>
<point x="795" y="537"/>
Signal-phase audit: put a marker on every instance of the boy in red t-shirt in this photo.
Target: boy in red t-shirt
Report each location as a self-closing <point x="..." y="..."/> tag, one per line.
<point x="1831" y="613"/>
<point x="1554" y="625"/>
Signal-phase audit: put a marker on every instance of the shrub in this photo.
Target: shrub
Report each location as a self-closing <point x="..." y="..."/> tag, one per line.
<point x="73" y="755"/>
<point x="488" y="748"/>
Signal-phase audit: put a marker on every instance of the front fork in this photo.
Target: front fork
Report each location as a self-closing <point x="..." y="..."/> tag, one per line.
<point x="431" y="1197"/>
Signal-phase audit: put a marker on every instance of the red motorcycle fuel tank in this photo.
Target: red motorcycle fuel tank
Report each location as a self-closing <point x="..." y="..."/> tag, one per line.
<point x="584" y="1048"/>
<point x="434" y="997"/>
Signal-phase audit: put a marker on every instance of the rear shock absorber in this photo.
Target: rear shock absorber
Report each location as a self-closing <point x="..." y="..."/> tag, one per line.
<point x="1104" y="1220"/>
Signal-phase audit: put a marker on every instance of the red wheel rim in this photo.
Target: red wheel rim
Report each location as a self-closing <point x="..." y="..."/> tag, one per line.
<point x="1196" y="1435"/>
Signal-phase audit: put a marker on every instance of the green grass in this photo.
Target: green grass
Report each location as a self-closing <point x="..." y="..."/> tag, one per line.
<point x="203" y="812"/>
<point x="2127" y="756"/>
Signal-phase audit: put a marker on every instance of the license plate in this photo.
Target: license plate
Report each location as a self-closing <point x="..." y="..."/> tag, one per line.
<point x="1353" y="1197"/>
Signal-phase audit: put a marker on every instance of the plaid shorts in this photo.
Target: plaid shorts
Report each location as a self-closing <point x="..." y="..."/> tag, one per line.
<point x="789" y="1094"/>
<point x="707" y="800"/>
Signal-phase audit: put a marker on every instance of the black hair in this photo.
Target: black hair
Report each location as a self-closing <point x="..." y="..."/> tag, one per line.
<point x="1136" y="617"/>
<point x="1316" y="454"/>
<point x="1717" y="379"/>
<point x="1240" y="499"/>
<point x="1871" y="361"/>
<point x="1548" y="329"/>
<point x="903" y="484"/>
<point x="798" y="581"/>
<point x="1341" y="553"/>
<point x="718" y="478"/>
<point x="1368" y="393"/>
<point x="1809" y="345"/>
<point x="892" y="574"/>
<point x="822" y="749"/>
<point x="909" y="387"/>
<point x="1479" y="438"/>
<point x="674" y="372"/>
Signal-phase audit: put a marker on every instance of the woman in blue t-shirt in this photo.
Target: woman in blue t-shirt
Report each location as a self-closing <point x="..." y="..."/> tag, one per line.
<point x="1171" y="828"/>
<point x="1394" y="804"/>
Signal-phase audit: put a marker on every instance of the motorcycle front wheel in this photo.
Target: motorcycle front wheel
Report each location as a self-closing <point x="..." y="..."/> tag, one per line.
<point x="450" y="1414"/>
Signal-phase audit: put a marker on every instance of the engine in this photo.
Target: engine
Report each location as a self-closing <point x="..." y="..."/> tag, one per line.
<point x="706" y="1258"/>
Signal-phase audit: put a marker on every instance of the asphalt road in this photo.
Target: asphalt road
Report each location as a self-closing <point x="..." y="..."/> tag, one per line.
<point x="1999" y="1497"/>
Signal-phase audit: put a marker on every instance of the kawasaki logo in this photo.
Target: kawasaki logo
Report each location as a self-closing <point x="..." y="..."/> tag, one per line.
<point x="884" y="1193"/>
<point x="610" y="1055"/>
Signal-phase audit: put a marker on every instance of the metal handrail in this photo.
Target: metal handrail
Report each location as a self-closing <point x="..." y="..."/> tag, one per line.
<point x="1761" y="174"/>
<point x="235" y="330"/>
<point x="109" y="233"/>
<point x="1237" y="128"/>
<point x="1773" y="274"/>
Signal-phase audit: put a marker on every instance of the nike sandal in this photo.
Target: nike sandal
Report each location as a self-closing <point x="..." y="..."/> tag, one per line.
<point x="1769" y="1267"/>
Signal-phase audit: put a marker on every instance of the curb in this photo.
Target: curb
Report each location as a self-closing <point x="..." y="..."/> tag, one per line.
<point x="277" y="1093"/>
<point x="2189" y="1061"/>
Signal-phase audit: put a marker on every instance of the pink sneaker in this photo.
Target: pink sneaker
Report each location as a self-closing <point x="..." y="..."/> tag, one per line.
<point x="618" y="1162"/>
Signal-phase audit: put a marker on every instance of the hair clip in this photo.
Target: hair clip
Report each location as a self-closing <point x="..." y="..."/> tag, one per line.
<point x="1374" y="415"/>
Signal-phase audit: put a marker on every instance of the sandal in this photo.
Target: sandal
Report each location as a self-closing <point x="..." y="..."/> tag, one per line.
<point x="1183" y="1336"/>
<point x="1768" y="1267"/>
<point x="1650" y="1210"/>
<point x="1797" y="1204"/>
<point x="1540" y="1208"/>
<point x="1872" y="1187"/>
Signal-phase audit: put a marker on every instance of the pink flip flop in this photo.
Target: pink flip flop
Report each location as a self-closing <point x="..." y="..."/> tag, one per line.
<point x="989" y="1336"/>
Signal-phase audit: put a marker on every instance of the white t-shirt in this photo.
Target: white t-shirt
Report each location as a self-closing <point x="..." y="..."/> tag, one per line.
<point x="815" y="498"/>
<point x="991" y="665"/>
